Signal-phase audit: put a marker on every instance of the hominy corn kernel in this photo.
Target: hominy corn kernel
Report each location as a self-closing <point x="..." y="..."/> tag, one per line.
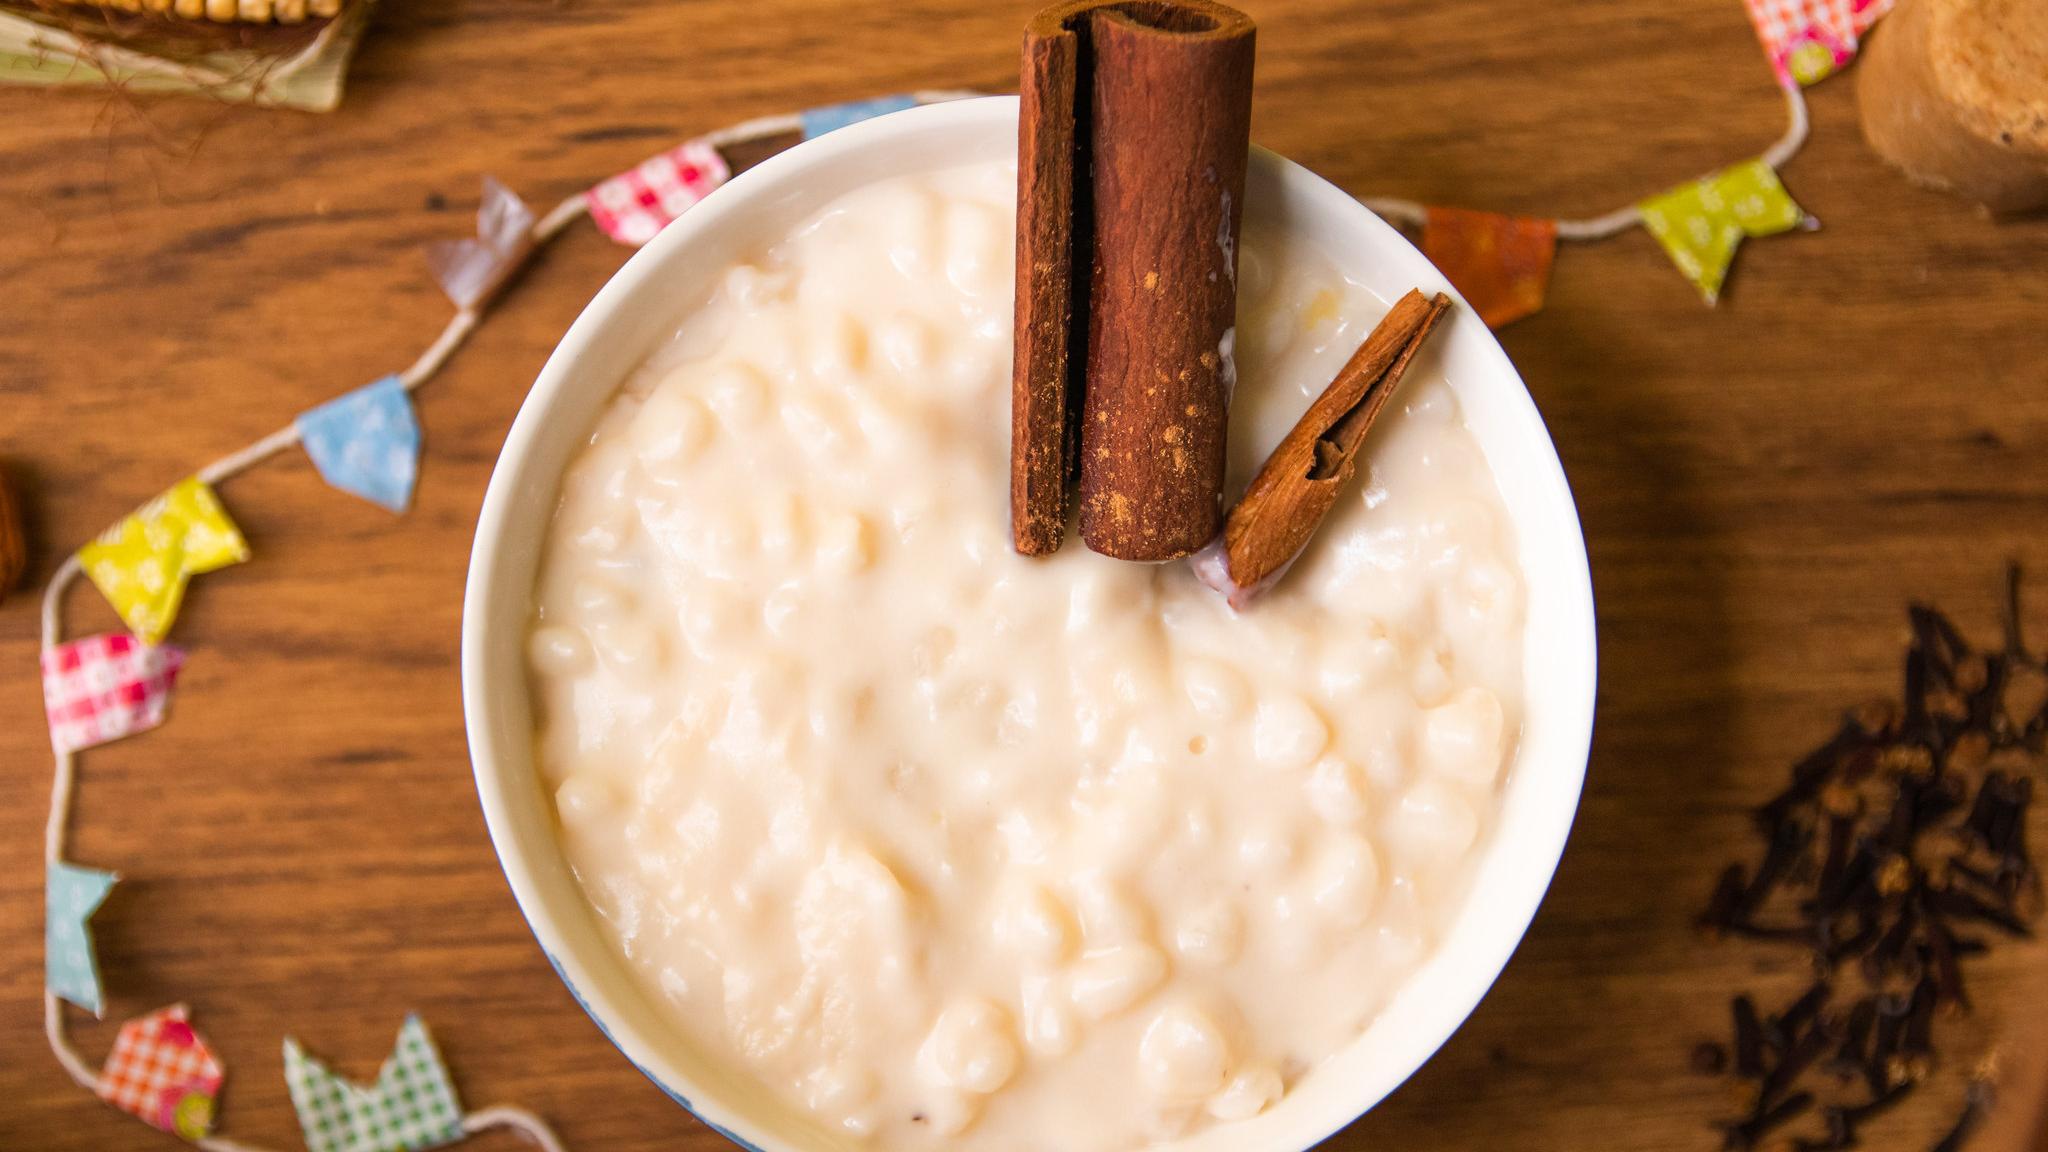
<point x="226" y="11"/>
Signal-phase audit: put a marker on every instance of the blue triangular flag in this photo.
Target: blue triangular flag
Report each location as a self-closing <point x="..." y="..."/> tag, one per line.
<point x="367" y="442"/>
<point x="818" y="121"/>
<point x="72" y="894"/>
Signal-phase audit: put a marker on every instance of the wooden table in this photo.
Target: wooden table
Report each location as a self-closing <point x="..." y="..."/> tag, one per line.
<point x="1864" y="420"/>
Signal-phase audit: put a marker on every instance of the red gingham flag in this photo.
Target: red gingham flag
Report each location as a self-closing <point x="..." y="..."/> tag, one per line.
<point x="1807" y="40"/>
<point x="632" y="206"/>
<point x="105" y="687"/>
<point x="161" y="1071"/>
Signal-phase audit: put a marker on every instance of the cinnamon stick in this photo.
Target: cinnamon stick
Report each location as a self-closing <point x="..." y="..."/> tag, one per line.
<point x="1135" y="130"/>
<point x="13" y="539"/>
<point x="1299" y="483"/>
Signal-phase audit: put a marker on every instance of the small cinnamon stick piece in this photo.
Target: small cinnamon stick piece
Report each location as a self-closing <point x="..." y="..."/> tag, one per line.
<point x="1299" y="483"/>
<point x="1050" y="353"/>
<point x="1132" y="148"/>
<point x="13" y="539"/>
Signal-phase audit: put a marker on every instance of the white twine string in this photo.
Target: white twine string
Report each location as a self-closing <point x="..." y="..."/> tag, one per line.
<point x="459" y="328"/>
<point x="1414" y="215"/>
<point x="529" y="1127"/>
<point x="63" y="780"/>
<point x="549" y="226"/>
<point x="62" y="783"/>
<point x="431" y="361"/>
<point x="525" y="1123"/>
<point x="54" y="830"/>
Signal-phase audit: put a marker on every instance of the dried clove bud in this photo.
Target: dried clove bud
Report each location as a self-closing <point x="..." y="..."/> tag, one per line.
<point x="1709" y="1058"/>
<point x="1876" y="717"/>
<point x="1746" y="1135"/>
<point x="1969" y="752"/>
<point x="1727" y="898"/>
<point x="1906" y="759"/>
<point x="1749" y="1039"/>
<point x="1947" y="704"/>
<point x="1973" y="674"/>
<point x="2023" y="694"/>
<point x="1906" y="827"/>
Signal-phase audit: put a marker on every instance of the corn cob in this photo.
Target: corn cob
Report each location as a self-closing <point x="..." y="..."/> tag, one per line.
<point x="228" y="11"/>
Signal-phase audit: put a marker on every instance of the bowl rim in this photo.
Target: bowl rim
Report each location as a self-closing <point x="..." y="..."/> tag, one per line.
<point x="1518" y="886"/>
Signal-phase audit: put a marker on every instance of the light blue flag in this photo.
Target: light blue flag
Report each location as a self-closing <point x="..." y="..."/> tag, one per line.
<point x="70" y="969"/>
<point x="367" y="442"/>
<point x="818" y="121"/>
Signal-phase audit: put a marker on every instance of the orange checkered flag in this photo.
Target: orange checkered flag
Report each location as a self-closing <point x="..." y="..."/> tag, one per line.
<point x="163" y="1072"/>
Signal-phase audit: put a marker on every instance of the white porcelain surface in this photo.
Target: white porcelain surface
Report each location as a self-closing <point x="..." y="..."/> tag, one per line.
<point x="637" y="311"/>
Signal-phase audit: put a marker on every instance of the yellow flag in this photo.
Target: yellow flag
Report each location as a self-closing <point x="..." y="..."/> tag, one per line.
<point x="142" y="564"/>
<point x="1701" y="223"/>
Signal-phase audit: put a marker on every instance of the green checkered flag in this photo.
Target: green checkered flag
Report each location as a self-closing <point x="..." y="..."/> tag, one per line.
<point x="412" y="1105"/>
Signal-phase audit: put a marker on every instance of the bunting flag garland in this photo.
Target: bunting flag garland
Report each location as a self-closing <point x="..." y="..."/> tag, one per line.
<point x="472" y="270"/>
<point x="366" y="443"/>
<point x="1499" y="264"/>
<point x="70" y="896"/>
<point x="1808" y="41"/>
<point x="105" y="687"/>
<point x="143" y="563"/>
<point x="831" y="117"/>
<point x="411" y="1106"/>
<point x="1701" y="223"/>
<point x="161" y="1071"/>
<point x="635" y="205"/>
<point x="1805" y="42"/>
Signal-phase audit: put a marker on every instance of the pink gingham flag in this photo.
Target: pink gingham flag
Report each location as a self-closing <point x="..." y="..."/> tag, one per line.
<point x="105" y="687"/>
<point x="161" y="1071"/>
<point x="632" y="206"/>
<point x="1808" y="40"/>
<point x="1868" y="12"/>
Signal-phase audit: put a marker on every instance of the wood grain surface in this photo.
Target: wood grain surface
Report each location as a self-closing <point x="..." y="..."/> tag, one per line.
<point x="1864" y="420"/>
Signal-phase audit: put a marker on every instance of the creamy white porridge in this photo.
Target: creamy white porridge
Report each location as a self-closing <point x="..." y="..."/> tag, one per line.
<point x="953" y="848"/>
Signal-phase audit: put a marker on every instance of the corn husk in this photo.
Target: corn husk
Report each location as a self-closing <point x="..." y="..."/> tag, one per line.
<point x="277" y="53"/>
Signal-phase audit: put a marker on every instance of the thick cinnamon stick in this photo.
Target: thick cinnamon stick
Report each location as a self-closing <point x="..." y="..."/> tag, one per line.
<point x="1299" y="483"/>
<point x="1135" y="129"/>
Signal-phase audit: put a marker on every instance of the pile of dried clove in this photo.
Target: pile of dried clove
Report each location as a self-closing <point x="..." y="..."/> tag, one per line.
<point x="1898" y="850"/>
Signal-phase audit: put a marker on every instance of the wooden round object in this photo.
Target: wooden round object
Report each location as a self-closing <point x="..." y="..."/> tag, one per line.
<point x="1955" y="92"/>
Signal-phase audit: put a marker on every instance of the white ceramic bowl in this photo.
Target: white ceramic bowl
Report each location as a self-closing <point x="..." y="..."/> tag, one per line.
<point x="636" y="312"/>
